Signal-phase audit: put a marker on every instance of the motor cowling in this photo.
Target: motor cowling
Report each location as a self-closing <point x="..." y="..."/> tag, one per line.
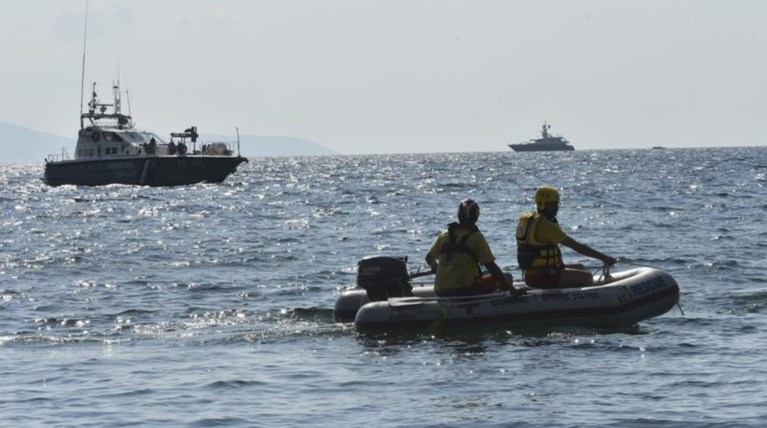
<point x="383" y="277"/>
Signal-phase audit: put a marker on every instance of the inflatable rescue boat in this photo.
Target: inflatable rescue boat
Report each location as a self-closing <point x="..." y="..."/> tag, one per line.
<point x="384" y="299"/>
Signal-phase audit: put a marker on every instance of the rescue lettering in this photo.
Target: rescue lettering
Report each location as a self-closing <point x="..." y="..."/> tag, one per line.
<point x="554" y="297"/>
<point x="508" y="301"/>
<point x="579" y="295"/>
<point x="648" y="286"/>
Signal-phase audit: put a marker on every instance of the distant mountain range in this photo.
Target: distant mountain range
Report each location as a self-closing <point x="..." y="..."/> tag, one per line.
<point x="19" y="144"/>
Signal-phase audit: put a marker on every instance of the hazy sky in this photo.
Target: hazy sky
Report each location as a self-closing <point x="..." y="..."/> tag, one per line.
<point x="395" y="76"/>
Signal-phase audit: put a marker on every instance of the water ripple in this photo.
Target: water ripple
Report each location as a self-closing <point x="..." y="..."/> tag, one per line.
<point x="150" y="306"/>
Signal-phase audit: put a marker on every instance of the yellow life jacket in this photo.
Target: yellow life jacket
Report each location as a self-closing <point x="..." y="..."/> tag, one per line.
<point x="532" y="254"/>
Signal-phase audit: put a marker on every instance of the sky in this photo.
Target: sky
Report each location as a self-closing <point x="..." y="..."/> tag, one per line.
<point x="399" y="76"/>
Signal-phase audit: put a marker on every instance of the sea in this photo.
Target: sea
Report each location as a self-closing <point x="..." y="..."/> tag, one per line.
<point x="212" y="304"/>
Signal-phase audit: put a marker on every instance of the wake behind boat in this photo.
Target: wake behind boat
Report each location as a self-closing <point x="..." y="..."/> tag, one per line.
<point x="111" y="150"/>
<point x="384" y="300"/>
<point x="547" y="143"/>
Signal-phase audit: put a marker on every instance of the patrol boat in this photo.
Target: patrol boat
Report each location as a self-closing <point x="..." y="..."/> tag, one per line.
<point x="111" y="150"/>
<point x="384" y="299"/>
<point x="547" y="143"/>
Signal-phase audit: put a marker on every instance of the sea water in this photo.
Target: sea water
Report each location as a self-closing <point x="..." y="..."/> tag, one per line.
<point x="211" y="305"/>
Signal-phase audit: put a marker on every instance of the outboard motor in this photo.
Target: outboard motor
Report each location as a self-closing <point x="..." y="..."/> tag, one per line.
<point x="383" y="277"/>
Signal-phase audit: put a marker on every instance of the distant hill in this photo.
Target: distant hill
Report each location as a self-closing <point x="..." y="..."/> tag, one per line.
<point x="256" y="145"/>
<point x="19" y="144"/>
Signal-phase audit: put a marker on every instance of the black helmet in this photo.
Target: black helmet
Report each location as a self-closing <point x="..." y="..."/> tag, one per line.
<point x="468" y="212"/>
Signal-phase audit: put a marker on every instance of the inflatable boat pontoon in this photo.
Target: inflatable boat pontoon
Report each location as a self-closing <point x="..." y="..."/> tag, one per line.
<point x="385" y="301"/>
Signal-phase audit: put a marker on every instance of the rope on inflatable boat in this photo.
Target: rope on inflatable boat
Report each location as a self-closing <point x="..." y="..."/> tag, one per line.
<point x="625" y="262"/>
<point x="604" y="276"/>
<point x="449" y="301"/>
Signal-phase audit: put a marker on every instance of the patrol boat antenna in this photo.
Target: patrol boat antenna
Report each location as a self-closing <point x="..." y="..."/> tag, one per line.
<point x="127" y="95"/>
<point x="82" y="74"/>
<point x="117" y="96"/>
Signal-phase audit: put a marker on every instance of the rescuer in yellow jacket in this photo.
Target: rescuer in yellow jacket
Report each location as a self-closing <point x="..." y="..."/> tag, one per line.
<point x="458" y="254"/>
<point x="538" y="239"/>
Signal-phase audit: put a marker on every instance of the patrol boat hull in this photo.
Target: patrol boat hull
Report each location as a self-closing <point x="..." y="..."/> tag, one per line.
<point x="629" y="297"/>
<point x="142" y="170"/>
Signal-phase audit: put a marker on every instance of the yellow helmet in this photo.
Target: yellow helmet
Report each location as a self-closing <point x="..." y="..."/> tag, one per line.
<point x="545" y="194"/>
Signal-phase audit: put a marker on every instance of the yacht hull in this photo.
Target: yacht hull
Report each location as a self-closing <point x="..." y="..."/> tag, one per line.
<point x="537" y="147"/>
